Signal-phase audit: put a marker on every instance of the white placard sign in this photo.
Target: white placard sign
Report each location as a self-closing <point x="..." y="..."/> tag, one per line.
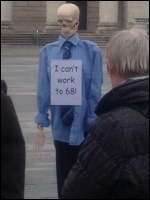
<point x="66" y="82"/>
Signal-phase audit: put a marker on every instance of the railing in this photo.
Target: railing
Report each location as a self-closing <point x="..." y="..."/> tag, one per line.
<point x="40" y="39"/>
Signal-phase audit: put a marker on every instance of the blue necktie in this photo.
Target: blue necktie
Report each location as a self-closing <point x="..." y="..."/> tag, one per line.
<point x="67" y="53"/>
<point x="67" y="111"/>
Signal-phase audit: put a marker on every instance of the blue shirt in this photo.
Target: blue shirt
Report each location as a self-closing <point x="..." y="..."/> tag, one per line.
<point x="92" y="79"/>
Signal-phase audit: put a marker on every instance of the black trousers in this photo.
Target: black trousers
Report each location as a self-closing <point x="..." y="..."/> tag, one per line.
<point x="66" y="156"/>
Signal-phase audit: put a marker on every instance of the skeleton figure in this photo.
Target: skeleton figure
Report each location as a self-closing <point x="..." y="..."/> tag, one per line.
<point x="68" y="18"/>
<point x="71" y="127"/>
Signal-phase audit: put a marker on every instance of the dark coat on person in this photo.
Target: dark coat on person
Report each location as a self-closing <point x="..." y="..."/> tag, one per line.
<point x="3" y="86"/>
<point x="12" y="152"/>
<point x="113" y="162"/>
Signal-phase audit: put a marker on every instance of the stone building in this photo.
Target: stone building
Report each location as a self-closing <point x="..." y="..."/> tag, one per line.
<point x="95" y="17"/>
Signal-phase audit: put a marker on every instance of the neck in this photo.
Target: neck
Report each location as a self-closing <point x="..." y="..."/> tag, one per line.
<point x="116" y="81"/>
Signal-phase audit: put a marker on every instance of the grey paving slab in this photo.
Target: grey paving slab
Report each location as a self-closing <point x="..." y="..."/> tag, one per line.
<point x="19" y="65"/>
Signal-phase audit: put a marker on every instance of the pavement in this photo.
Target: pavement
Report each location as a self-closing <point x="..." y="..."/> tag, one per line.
<point x="19" y="67"/>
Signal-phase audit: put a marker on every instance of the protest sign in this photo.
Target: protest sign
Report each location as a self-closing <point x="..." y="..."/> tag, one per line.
<point x="66" y="82"/>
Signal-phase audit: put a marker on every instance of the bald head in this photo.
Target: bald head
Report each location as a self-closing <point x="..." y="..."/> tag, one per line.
<point x="68" y="17"/>
<point x="69" y="10"/>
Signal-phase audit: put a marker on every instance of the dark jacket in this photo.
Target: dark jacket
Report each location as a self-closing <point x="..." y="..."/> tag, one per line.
<point x="12" y="152"/>
<point x="113" y="162"/>
<point x="3" y="86"/>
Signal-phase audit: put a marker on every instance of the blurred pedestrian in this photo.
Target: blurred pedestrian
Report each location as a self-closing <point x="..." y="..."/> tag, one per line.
<point x="12" y="152"/>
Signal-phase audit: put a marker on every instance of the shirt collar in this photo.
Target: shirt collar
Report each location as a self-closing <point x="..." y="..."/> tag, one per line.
<point x="73" y="39"/>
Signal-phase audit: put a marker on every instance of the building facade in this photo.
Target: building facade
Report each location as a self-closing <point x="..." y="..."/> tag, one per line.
<point x="95" y="16"/>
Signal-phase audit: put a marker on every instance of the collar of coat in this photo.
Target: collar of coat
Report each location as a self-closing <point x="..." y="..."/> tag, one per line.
<point x="132" y="93"/>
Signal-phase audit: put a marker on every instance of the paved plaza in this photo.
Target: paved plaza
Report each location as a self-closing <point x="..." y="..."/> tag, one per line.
<point x="19" y="67"/>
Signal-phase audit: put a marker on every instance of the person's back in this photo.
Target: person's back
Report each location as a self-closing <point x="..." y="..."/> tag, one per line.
<point x="125" y="158"/>
<point x="12" y="152"/>
<point x="113" y="162"/>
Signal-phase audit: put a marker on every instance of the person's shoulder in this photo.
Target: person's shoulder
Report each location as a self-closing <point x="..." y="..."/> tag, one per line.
<point x="49" y="46"/>
<point x="112" y="118"/>
<point x="5" y="97"/>
<point x="90" y="44"/>
<point x="3" y="86"/>
<point x="117" y="117"/>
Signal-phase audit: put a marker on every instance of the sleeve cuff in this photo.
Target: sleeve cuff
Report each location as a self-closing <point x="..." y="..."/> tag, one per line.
<point x="42" y="120"/>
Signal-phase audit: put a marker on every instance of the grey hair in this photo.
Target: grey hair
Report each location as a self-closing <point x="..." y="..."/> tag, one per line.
<point x="128" y="52"/>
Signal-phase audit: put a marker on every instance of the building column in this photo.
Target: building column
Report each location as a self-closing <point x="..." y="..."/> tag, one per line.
<point x="6" y="17"/>
<point x="51" y="25"/>
<point x="136" y="14"/>
<point x="108" y="16"/>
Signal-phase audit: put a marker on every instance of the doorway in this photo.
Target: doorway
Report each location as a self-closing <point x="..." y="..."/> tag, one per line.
<point x="83" y="13"/>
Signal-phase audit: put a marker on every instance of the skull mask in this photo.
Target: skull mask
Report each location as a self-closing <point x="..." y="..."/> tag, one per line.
<point x="68" y="18"/>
